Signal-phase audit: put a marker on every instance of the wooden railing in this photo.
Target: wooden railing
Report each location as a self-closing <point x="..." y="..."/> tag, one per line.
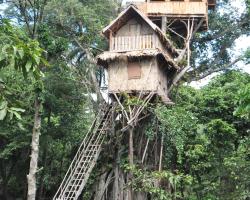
<point x="174" y="7"/>
<point x="129" y="43"/>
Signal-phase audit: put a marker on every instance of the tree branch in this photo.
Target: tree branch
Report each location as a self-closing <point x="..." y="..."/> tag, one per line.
<point x="211" y="71"/>
<point x="93" y="62"/>
<point x="223" y="32"/>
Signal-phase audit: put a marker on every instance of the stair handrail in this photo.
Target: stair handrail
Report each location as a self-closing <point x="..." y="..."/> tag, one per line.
<point x="97" y="141"/>
<point x="93" y="125"/>
<point x="79" y="160"/>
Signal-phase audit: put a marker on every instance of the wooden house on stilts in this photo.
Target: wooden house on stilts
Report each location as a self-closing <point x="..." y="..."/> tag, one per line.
<point x="143" y="62"/>
<point x="140" y="58"/>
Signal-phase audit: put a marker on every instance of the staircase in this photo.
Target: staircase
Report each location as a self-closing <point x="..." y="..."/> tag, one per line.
<point x="85" y="158"/>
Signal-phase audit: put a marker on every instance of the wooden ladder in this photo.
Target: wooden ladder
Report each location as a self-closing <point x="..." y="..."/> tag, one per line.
<point x="85" y="158"/>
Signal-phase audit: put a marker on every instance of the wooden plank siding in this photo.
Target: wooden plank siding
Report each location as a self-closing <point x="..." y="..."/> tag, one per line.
<point x="178" y="8"/>
<point x="131" y="43"/>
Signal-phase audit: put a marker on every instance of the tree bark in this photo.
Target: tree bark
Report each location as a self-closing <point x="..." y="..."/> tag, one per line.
<point x="161" y="153"/>
<point x="31" y="177"/>
<point x="131" y="161"/>
<point x="44" y="160"/>
<point x="131" y="147"/>
<point x="35" y="9"/>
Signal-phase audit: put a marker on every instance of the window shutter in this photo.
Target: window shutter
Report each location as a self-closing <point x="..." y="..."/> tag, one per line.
<point x="134" y="70"/>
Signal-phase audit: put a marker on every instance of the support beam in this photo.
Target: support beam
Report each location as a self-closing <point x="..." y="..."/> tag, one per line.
<point x="164" y="24"/>
<point x="161" y="153"/>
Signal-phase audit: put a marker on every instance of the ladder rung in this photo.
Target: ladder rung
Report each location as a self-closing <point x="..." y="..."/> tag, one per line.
<point x="90" y="149"/>
<point x="88" y="156"/>
<point x="74" y="186"/>
<point x="94" y="151"/>
<point x="78" y="174"/>
<point x="83" y="164"/>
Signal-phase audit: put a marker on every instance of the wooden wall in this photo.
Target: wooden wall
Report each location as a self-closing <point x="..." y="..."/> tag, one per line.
<point x="134" y="35"/>
<point x="153" y="77"/>
<point x="163" y="81"/>
<point x="174" y="8"/>
<point x="129" y="28"/>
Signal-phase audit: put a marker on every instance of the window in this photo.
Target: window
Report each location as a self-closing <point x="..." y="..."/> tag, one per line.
<point x="134" y="70"/>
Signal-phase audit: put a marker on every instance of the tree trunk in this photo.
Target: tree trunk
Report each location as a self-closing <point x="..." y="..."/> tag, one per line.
<point x="131" y="147"/>
<point x="131" y="161"/>
<point x="34" y="152"/>
<point x="44" y="164"/>
<point x="161" y="153"/>
<point x="44" y="159"/>
<point x="115" y="187"/>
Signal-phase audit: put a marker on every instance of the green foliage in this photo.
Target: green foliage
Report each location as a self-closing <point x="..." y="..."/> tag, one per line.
<point x="53" y="44"/>
<point x="66" y="116"/>
<point x="247" y="56"/>
<point x="206" y="141"/>
<point x="148" y="181"/>
<point x="206" y="146"/>
<point x="18" y="51"/>
<point x="80" y="20"/>
<point x="8" y="106"/>
<point x="244" y="102"/>
<point x="178" y="125"/>
<point x="221" y="135"/>
<point x="210" y="49"/>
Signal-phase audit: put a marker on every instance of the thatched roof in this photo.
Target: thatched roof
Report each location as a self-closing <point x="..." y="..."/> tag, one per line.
<point x="106" y="57"/>
<point x="131" y="12"/>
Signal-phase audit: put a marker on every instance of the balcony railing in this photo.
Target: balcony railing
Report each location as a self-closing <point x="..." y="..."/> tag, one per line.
<point x="130" y="43"/>
<point x="178" y="8"/>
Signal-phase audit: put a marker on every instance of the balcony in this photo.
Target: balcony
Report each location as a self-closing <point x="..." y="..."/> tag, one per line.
<point x="132" y="43"/>
<point x="175" y="8"/>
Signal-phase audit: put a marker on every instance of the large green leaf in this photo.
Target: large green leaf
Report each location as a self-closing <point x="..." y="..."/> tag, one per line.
<point x="17" y="109"/>
<point x="28" y="66"/>
<point x="2" y="56"/>
<point x="3" y="114"/>
<point x="1" y="80"/>
<point x="17" y="115"/>
<point x="37" y="59"/>
<point x="3" y="104"/>
<point x="20" y="52"/>
<point x="3" y="109"/>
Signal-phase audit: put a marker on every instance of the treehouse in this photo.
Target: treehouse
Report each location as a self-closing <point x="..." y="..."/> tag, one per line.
<point x="140" y="57"/>
<point x="147" y="44"/>
<point x="177" y="12"/>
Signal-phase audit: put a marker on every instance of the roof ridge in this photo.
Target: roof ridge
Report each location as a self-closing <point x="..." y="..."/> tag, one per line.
<point x="162" y="35"/>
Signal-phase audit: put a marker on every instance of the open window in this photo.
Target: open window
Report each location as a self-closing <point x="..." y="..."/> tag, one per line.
<point x="134" y="70"/>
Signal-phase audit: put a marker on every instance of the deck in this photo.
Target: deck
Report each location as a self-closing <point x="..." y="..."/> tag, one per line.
<point x="174" y="8"/>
